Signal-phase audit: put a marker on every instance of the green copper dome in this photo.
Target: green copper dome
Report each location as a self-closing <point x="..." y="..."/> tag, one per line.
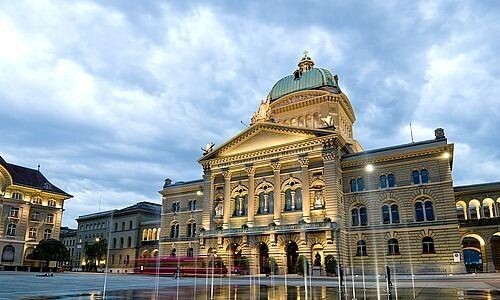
<point x="308" y="80"/>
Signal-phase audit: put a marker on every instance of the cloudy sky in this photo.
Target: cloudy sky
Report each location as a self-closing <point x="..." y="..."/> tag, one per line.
<point x="110" y="98"/>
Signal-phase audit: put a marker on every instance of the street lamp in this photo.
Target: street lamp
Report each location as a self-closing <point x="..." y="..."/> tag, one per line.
<point x="369" y="168"/>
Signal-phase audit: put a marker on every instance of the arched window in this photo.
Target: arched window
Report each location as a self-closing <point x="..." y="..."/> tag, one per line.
<point x="391" y="180"/>
<point x="361" y="184"/>
<point x="8" y="253"/>
<point x="174" y="230"/>
<point x="419" y="212"/>
<point x="240" y="199"/>
<point x="361" y="248"/>
<point x="123" y="225"/>
<point x="359" y="216"/>
<point x="363" y="216"/>
<point x="352" y="185"/>
<point x="266" y="203"/>
<point x="424" y="210"/>
<point x="355" y="216"/>
<point x="190" y="252"/>
<point x="121" y="242"/>
<point x="129" y="242"/>
<point x="428" y="245"/>
<point x="116" y="226"/>
<point x="144" y="235"/>
<point x="114" y="242"/>
<point x="293" y="195"/>
<point x="130" y="225"/>
<point x="424" y="175"/>
<point x="127" y="259"/>
<point x="47" y="234"/>
<point x="11" y="229"/>
<point x="393" y="247"/>
<point x="191" y="229"/>
<point x="51" y="203"/>
<point x="460" y="212"/>
<point x="415" y="175"/>
<point x="383" y="181"/>
<point x="390" y="213"/>
<point x="429" y="211"/>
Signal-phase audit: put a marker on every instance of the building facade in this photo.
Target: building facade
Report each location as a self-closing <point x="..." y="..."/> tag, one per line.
<point x="68" y="237"/>
<point x="478" y="211"/>
<point x="122" y="230"/>
<point x="296" y="182"/>
<point x="31" y="209"/>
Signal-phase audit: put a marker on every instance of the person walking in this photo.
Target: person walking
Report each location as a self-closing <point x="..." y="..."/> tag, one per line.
<point x="341" y="274"/>
<point x="388" y="275"/>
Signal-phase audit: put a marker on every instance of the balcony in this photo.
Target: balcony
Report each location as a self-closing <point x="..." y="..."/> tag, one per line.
<point x="275" y="229"/>
<point x="149" y="242"/>
<point x="480" y="222"/>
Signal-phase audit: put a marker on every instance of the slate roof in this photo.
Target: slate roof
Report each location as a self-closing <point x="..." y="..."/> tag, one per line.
<point x="31" y="178"/>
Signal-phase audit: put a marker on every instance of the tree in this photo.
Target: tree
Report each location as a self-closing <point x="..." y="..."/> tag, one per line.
<point x="330" y="264"/>
<point x="50" y="250"/>
<point x="94" y="253"/>
<point x="302" y="265"/>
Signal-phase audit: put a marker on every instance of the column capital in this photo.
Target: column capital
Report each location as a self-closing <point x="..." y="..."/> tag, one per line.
<point x="329" y="156"/>
<point x="226" y="173"/>
<point x="250" y="170"/>
<point x="303" y="161"/>
<point x="276" y="165"/>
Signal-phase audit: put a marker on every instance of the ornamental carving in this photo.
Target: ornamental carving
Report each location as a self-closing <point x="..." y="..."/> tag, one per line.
<point x="304" y="161"/>
<point x="276" y="165"/>
<point x="226" y="174"/>
<point x="299" y="98"/>
<point x="250" y="170"/>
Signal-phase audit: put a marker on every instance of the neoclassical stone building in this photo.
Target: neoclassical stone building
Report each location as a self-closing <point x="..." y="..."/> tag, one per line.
<point x="296" y="182"/>
<point x="31" y="209"/>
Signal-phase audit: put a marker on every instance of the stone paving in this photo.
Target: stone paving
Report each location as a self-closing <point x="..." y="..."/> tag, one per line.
<point x="19" y="285"/>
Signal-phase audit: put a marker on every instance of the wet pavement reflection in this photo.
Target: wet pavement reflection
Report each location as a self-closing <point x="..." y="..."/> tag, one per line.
<point x="282" y="293"/>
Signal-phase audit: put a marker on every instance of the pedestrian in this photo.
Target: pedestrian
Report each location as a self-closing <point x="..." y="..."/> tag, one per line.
<point x="341" y="274"/>
<point x="388" y="275"/>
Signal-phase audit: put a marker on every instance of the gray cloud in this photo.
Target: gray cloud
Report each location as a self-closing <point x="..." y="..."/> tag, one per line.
<point x="111" y="98"/>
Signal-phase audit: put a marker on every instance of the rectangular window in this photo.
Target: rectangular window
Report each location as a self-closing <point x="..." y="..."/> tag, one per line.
<point x="32" y="233"/>
<point x="35" y="216"/>
<point x="49" y="219"/>
<point x="14" y="212"/>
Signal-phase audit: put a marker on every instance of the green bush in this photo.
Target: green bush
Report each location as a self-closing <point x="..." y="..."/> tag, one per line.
<point x="272" y="265"/>
<point x="330" y="264"/>
<point x="302" y="265"/>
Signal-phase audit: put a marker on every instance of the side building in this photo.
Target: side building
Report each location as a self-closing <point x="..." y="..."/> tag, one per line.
<point x="31" y="209"/>
<point x="297" y="183"/>
<point x="122" y="229"/>
<point x="68" y="238"/>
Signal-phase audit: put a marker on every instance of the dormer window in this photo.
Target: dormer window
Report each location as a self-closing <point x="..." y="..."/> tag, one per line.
<point x="52" y="203"/>
<point x="297" y="74"/>
<point x="17" y="196"/>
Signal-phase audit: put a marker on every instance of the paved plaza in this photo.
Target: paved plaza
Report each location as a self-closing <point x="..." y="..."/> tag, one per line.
<point x="17" y="285"/>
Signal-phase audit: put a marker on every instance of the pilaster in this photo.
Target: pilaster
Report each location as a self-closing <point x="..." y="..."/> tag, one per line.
<point x="306" y="202"/>
<point x="277" y="191"/>
<point x="251" y="195"/>
<point x="227" y="198"/>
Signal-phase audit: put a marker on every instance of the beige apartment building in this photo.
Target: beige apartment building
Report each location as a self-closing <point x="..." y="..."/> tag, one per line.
<point x="31" y="209"/>
<point x="296" y="182"/>
<point x="122" y="229"/>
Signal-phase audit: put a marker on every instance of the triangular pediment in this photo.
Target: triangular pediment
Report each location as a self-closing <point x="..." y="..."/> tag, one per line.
<point x="263" y="136"/>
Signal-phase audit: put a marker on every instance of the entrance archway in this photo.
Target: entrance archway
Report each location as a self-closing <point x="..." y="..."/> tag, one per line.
<point x="263" y="258"/>
<point x="291" y="257"/>
<point x="473" y="259"/>
<point x="234" y="254"/>
<point x="495" y="250"/>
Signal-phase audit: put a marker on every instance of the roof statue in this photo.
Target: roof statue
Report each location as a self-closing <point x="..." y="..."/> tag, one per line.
<point x="328" y="121"/>
<point x="208" y="148"/>
<point x="262" y="114"/>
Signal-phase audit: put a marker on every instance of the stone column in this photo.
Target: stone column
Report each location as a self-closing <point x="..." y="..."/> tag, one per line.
<point x="306" y="202"/>
<point x="277" y="191"/>
<point x="251" y="195"/>
<point x="227" y="198"/>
